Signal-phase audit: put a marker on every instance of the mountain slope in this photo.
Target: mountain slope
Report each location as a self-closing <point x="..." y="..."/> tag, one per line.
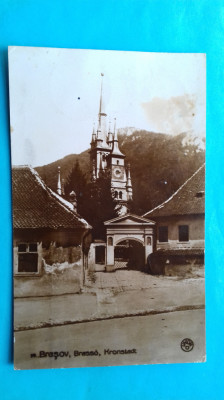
<point x="160" y="164"/>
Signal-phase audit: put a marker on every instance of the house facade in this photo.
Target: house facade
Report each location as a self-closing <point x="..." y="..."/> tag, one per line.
<point x="180" y="220"/>
<point x="46" y="229"/>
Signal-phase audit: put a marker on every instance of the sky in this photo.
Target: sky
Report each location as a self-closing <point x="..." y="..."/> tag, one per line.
<point x="54" y="97"/>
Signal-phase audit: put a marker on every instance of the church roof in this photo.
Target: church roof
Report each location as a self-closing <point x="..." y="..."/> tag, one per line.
<point x="37" y="206"/>
<point x="188" y="199"/>
<point x="116" y="152"/>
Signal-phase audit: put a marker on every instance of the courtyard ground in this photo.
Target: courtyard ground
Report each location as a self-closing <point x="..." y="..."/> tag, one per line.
<point x="122" y="293"/>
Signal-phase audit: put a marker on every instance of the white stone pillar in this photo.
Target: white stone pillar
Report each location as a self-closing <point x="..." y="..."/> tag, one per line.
<point x="110" y="250"/>
<point x="91" y="257"/>
<point x="148" y="246"/>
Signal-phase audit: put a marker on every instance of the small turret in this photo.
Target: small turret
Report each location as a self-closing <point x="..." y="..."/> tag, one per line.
<point x="110" y="136"/>
<point x="129" y="184"/>
<point x="59" y="181"/>
<point x="93" y="135"/>
<point x="116" y="151"/>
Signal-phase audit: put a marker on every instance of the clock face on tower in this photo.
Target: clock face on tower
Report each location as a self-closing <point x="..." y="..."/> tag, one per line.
<point x="117" y="173"/>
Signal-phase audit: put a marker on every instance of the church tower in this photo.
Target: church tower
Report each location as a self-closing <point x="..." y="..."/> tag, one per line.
<point x="105" y="155"/>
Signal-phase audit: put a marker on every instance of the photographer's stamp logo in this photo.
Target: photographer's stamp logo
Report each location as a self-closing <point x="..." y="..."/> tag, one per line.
<point x="187" y="345"/>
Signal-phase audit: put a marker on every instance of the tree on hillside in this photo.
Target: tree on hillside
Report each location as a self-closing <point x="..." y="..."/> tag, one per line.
<point x="160" y="164"/>
<point x="95" y="201"/>
<point x="99" y="204"/>
<point x="76" y="181"/>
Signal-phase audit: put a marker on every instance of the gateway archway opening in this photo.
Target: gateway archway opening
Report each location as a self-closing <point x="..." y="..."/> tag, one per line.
<point x="129" y="254"/>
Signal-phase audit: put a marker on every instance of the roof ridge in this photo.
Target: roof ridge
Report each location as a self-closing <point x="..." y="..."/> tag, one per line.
<point x="175" y="193"/>
<point x="64" y="203"/>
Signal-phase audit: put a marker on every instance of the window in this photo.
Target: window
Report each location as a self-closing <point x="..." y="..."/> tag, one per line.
<point x="116" y="194"/>
<point x="33" y="247"/>
<point x="163" y="233"/>
<point x="149" y="241"/>
<point x="120" y="195"/>
<point x="200" y="194"/>
<point x="110" y="241"/>
<point x="27" y="257"/>
<point x="22" y="247"/>
<point x="117" y="162"/>
<point x="183" y="233"/>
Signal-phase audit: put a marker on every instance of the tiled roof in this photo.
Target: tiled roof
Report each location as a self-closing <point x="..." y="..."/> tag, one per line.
<point x="188" y="199"/>
<point x="37" y="206"/>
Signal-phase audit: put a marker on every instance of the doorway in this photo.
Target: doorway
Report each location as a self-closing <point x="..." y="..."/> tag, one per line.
<point x="100" y="255"/>
<point x="129" y="254"/>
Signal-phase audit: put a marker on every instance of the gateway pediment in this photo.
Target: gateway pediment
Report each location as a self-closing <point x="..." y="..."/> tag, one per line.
<point x="129" y="219"/>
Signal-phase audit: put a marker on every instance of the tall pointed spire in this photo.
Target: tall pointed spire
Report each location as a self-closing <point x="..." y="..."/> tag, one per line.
<point x="101" y="131"/>
<point x="59" y="181"/>
<point x="102" y="106"/>
<point x="105" y="155"/>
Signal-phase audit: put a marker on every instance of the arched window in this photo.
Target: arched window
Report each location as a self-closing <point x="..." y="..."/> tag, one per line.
<point x="120" y="195"/>
<point x="116" y="194"/>
<point x="149" y="241"/>
<point x="110" y="241"/>
<point x="117" y="162"/>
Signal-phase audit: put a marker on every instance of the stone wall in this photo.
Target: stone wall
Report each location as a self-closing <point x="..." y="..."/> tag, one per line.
<point x="173" y="263"/>
<point x="60" y="271"/>
<point x="56" y="279"/>
<point x="58" y="254"/>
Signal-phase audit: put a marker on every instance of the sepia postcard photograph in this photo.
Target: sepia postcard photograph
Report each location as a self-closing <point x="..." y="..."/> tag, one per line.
<point x="108" y="190"/>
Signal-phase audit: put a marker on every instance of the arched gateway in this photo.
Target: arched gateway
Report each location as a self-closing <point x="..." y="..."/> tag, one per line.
<point x="129" y="253"/>
<point x="130" y="240"/>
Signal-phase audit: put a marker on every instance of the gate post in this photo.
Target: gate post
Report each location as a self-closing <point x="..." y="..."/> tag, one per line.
<point x="148" y="246"/>
<point x="110" y="250"/>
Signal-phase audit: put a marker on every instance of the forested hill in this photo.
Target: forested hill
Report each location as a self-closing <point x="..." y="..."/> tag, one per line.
<point x="160" y="164"/>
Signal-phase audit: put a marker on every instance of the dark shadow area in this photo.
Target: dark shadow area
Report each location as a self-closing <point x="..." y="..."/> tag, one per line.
<point x="129" y="255"/>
